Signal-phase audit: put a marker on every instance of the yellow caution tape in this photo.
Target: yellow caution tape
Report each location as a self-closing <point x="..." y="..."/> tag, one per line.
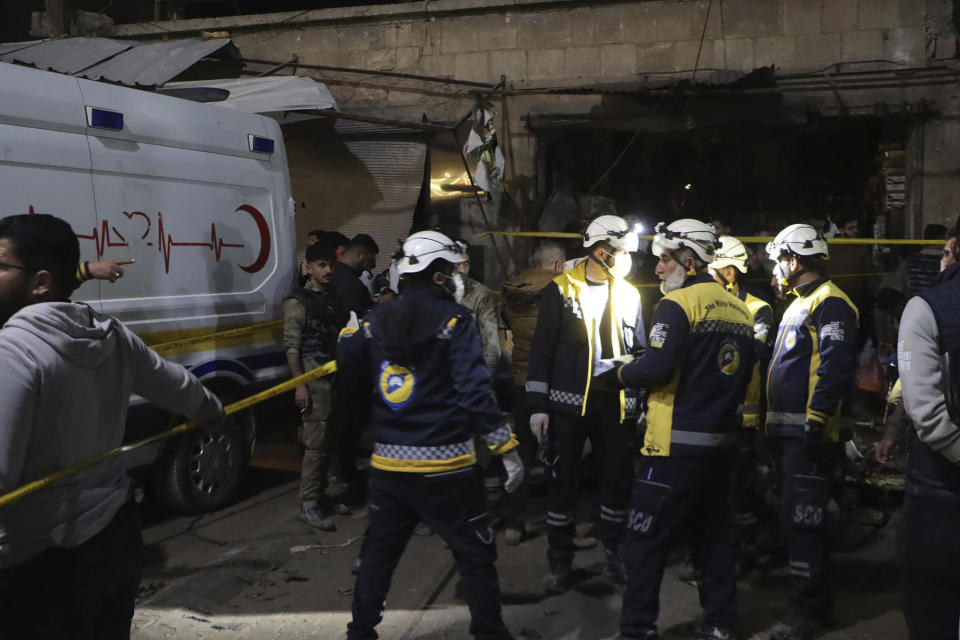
<point x="173" y="345"/>
<point x="235" y="407"/>
<point x="831" y="276"/>
<point x="533" y="234"/>
<point x="746" y="239"/>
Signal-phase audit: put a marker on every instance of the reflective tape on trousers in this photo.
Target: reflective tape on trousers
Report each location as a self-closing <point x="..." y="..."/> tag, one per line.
<point x="699" y="439"/>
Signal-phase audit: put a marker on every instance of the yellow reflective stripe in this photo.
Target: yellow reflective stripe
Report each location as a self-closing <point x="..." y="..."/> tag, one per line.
<point x="346" y="331"/>
<point x="505" y="446"/>
<point x="571" y="283"/>
<point x="203" y="339"/>
<point x="583" y="407"/>
<point x="422" y="466"/>
<point x="452" y="322"/>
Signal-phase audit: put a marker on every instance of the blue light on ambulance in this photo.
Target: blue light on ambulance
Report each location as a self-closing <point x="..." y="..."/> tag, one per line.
<point x="257" y="143"/>
<point x="104" y="118"/>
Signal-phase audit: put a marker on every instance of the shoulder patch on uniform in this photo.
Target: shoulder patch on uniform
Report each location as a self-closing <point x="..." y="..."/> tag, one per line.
<point x="447" y="330"/>
<point x="760" y="331"/>
<point x="658" y="334"/>
<point x="835" y="331"/>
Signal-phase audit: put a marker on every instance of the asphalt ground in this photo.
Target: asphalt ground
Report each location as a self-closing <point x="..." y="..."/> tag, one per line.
<point x="254" y="571"/>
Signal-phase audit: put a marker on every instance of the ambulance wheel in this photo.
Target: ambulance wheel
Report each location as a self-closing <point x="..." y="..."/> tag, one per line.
<point x="201" y="470"/>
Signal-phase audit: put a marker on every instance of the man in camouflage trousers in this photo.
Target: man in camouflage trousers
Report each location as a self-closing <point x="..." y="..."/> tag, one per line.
<point x="312" y="319"/>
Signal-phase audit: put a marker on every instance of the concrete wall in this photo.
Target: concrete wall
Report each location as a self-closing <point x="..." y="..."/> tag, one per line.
<point x="549" y="43"/>
<point x="559" y="41"/>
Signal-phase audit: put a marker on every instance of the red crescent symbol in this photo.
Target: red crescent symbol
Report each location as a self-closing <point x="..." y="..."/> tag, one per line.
<point x="264" y="230"/>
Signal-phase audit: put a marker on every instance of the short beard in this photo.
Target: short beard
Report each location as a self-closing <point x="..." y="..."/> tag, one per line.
<point x="13" y="303"/>
<point x="673" y="281"/>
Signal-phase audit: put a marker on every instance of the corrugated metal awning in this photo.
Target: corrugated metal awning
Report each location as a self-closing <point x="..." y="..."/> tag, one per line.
<point x="120" y="61"/>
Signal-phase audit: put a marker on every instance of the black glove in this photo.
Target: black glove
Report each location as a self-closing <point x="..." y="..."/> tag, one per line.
<point x="815" y="438"/>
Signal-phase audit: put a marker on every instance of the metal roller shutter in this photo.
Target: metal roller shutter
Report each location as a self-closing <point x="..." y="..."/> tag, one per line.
<point x="357" y="178"/>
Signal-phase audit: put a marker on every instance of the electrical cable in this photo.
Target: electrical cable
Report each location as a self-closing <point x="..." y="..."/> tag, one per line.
<point x="636" y="133"/>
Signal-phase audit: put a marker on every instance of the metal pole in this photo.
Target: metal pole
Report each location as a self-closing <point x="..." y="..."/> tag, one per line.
<point x="421" y="126"/>
<point x="370" y="72"/>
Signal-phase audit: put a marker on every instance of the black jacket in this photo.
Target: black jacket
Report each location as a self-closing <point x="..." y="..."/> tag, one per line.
<point x="346" y="285"/>
<point x="560" y="373"/>
<point x="432" y="389"/>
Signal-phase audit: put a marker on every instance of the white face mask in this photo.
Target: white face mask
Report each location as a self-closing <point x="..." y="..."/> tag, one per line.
<point x="782" y="273"/>
<point x="622" y="263"/>
<point x="674" y="280"/>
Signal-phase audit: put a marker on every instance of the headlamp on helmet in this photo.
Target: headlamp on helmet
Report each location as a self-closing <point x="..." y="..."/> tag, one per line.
<point x="423" y="247"/>
<point x="613" y="230"/>
<point x="699" y="237"/>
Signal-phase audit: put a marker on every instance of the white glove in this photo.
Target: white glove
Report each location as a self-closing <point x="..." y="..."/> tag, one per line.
<point x="353" y="322"/>
<point x="514" y="468"/>
<point x="539" y="425"/>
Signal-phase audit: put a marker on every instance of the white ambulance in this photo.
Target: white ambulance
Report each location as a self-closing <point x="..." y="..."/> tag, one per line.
<point x="200" y="196"/>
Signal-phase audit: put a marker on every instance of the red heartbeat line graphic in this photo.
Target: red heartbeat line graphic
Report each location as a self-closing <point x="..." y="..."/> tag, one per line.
<point x="103" y="239"/>
<point x="106" y="235"/>
<point x="167" y="243"/>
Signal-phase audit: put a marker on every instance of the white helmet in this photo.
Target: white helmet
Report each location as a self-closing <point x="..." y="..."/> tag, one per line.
<point x="692" y="234"/>
<point x="423" y="247"/>
<point x="613" y="230"/>
<point x="732" y="253"/>
<point x="798" y="240"/>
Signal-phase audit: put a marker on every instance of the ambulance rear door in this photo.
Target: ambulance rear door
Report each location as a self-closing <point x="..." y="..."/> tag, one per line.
<point x="189" y="191"/>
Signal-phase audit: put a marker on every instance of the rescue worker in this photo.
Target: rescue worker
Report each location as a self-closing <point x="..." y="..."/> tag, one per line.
<point x="312" y="319"/>
<point x="928" y="552"/>
<point x="695" y="370"/>
<point x="813" y="366"/>
<point x="432" y="393"/>
<point x="590" y="316"/>
<point x="727" y="269"/>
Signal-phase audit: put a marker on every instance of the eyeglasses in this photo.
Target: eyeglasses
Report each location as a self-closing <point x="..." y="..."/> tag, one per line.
<point x="945" y="253"/>
<point x="7" y="265"/>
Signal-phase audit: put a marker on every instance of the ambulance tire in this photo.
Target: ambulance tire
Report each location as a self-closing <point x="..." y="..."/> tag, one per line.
<point x="201" y="470"/>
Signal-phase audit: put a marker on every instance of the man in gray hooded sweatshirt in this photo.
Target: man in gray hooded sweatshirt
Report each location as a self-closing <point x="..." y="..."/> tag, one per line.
<point x="69" y="554"/>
